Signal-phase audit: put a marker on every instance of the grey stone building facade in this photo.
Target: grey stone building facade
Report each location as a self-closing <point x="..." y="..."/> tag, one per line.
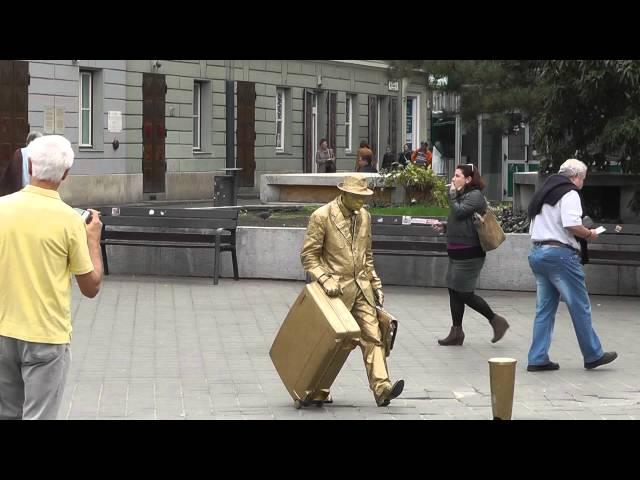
<point x="162" y="129"/>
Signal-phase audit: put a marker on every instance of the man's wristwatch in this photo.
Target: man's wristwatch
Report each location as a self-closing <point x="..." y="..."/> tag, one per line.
<point x="321" y="277"/>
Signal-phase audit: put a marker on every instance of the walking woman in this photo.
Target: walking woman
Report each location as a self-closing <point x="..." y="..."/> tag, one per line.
<point x="466" y="257"/>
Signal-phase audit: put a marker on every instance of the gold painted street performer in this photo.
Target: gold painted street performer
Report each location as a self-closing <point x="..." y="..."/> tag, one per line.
<point x="337" y="254"/>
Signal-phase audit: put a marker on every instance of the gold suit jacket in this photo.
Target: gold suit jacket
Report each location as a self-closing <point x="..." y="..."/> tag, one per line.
<point x="329" y="248"/>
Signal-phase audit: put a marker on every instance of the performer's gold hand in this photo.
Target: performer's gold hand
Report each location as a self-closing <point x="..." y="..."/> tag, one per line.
<point x="331" y="287"/>
<point x="379" y="296"/>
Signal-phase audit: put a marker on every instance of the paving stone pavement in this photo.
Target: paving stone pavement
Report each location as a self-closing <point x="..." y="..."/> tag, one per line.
<point x="182" y="348"/>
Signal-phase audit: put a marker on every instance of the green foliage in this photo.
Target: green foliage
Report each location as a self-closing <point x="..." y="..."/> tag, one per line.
<point x="418" y="179"/>
<point x="592" y="111"/>
<point x="509" y="221"/>
<point x="501" y="88"/>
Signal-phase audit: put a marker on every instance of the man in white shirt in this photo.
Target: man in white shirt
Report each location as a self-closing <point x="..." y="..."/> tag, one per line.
<point x="556" y="227"/>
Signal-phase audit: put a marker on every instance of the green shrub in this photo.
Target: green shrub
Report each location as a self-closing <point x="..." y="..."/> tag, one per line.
<point x="418" y="181"/>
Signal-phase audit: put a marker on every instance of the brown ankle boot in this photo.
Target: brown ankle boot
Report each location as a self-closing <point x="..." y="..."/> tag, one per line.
<point x="500" y="327"/>
<point x="456" y="337"/>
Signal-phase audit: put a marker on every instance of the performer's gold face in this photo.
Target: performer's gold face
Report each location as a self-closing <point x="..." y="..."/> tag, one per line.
<point x="352" y="201"/>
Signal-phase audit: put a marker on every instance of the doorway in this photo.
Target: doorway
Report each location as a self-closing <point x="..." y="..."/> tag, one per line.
<point x="14" y="110"/>
<point x="516" y="157"/>
<point x="246" y="133"/>
<point x="310" y="131"/>
<point x="154" y="164"/>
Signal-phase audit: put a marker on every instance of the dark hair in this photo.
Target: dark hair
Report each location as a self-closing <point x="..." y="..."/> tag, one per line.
<point x="363" y="144"/>
<point x="470" y="170"/>
<point x="323" y="140"/>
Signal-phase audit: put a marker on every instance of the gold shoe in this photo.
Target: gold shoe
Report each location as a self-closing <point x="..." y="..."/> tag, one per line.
<point x="394" y="392"/>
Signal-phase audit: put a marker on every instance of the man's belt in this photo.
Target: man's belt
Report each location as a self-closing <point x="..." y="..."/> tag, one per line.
<point x="556" y="243"/>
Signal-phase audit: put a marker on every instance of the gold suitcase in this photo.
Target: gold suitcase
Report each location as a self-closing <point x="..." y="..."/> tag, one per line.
<point x="312" y="345"/>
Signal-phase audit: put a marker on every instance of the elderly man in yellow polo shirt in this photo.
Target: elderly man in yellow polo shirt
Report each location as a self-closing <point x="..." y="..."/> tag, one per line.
<point x="43" y="241"/>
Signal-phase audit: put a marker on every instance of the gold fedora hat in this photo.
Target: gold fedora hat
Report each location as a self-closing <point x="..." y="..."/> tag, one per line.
<point x="356" y="184"/>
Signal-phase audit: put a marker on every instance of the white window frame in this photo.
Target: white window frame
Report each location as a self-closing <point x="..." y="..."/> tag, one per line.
<point x="314" y="132"/>
<point x="197" y="102"/>
<point x="348" y="124"/>
<point x="379" y="117"/>
<point x="415" y="122"/>
<point x="81" y="109"/>
<point x="280" y="93"/>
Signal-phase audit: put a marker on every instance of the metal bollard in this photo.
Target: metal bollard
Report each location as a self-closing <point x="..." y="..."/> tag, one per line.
<point x="502" y="375"/>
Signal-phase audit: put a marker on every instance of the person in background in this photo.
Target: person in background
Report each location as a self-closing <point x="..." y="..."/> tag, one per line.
<point x="387" y="160"/>
<point x="366" y="165"/>
<point x="362" y="151"/>
<point x="422" y="156"/>
<point x="325" y="159"/>
<point x="404" y="158"/>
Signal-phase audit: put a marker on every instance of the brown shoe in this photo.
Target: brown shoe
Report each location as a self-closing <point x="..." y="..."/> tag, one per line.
<point x="456" y="337"/>
<point x="500" y="327"/>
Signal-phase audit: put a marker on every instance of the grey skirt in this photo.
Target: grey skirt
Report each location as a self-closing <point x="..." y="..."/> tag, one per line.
<point x="462" y="275"/>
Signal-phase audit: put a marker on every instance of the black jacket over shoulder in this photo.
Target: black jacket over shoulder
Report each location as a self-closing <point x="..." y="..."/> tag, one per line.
<point x="550" y="193"/>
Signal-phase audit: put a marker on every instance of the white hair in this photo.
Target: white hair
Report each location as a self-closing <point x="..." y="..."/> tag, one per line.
<point x="50" y="156"/>
<point x="573" y="168"/>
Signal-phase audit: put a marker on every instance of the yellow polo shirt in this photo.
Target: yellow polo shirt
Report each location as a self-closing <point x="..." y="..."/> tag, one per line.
<point x="43" y="241"/>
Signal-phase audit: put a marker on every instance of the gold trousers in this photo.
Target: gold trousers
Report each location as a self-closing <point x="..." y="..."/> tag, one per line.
<point x="375" y="360"/>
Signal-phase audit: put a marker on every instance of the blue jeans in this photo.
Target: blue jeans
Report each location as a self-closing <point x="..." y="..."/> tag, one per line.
<point x="558" y="272"/>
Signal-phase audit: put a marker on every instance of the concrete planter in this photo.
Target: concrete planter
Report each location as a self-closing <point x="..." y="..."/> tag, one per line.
<point x="274" y="253"/>
<point x="318" y="188"/>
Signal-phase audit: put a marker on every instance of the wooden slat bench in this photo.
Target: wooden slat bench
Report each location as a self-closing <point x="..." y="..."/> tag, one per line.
<point x="390" y="237"/>
<point x="612" y="248"/>
<point x="171" y="227"/>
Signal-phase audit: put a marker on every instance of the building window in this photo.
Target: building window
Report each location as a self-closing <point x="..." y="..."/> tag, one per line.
<point x="197" y="115"/>
<point x="348" y="123"/>
<point x="280" y="119"/>
<point x="86" y="109"/>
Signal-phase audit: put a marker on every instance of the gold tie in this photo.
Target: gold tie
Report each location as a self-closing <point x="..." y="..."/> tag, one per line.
<point x="353" y="217"/>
